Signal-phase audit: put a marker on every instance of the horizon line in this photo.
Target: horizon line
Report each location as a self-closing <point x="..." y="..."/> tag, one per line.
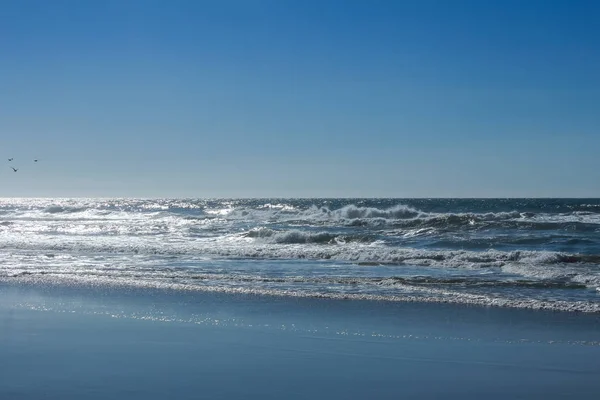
<point x="304" y="198"/>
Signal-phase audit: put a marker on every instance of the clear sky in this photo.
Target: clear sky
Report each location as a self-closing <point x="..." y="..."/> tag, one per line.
<point x="302" y="98"/>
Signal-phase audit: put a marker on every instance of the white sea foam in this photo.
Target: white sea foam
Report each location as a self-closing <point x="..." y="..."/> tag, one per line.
<point x="410" y="295"/>
<point x="301" y="245"/>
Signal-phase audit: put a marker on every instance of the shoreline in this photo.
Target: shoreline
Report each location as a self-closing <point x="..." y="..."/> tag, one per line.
<point x="249" y="303"/>
<point x="467" y="299"/>
<point x="73" y="342"/>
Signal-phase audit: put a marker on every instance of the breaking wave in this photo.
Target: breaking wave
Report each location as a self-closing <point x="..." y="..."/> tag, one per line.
<point x="396" y="212"/>
<point x="63" y="209"/>
<point x="297" y="237"/>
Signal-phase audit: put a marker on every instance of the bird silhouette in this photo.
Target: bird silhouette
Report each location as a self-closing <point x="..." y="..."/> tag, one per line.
<point x="35" y="160"/>
<point x="14" y="169"/>
<point x="10" y="159"/>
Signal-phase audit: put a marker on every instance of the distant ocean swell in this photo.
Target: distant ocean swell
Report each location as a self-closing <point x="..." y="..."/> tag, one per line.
<point x="398" y="217"/>
<point x="534" y="253"/>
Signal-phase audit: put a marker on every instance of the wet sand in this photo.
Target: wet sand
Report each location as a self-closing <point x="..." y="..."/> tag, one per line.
<point x="97" y="343"/>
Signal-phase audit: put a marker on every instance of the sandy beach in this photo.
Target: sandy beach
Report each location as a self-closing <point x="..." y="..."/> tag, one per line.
<point x="92" y="343"/>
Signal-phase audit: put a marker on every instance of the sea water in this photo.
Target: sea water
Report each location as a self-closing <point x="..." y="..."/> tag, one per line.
<point x="523" y="253"/>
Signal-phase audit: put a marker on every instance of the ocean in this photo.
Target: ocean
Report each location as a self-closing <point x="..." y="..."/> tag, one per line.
<point x="516" y="253"/>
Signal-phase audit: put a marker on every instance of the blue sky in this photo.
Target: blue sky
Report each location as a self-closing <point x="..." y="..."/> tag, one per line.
<point x="300" y="98"/>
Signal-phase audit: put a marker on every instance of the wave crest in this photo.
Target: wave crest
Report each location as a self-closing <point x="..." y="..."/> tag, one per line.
<point x="301" y="237"/>
<point x="64" y="209"/>
<point x="397" y="212"/>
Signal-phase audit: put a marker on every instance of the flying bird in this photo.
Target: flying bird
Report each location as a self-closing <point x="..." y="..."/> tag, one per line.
<point x="14" y="169"/>
<point x="10" y="159"/>
<point x="35" y="160"/>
